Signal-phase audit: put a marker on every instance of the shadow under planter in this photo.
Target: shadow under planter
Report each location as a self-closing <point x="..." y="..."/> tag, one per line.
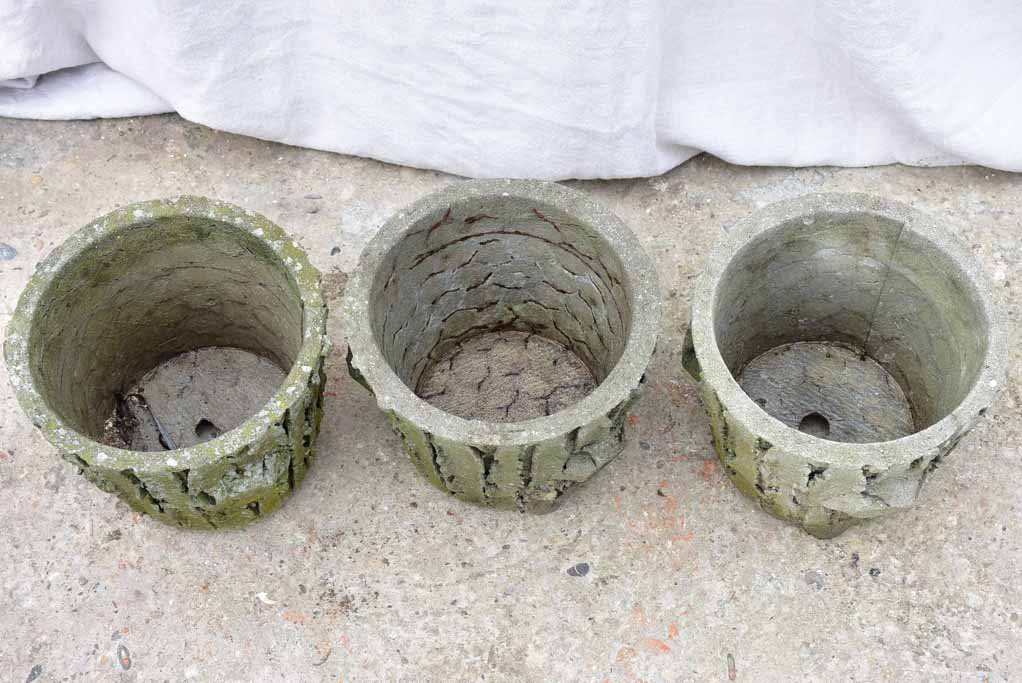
<point x="843" y="344"/>
<point x="173" y="351"/>
<point x="504" y="327"/>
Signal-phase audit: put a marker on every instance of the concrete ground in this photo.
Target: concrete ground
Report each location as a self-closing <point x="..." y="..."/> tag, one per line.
<point x="370" y="574"/>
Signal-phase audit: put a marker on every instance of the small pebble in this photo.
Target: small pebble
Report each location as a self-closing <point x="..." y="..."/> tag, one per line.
<point x="313" y="196"/>
<point x="35" y="673"/>
<point x="814" y="578"/>
<point x="335" y="251"/>
<point x="7" y="252"/>
<point x="124" y="657"/>
<point x="312" y="209"/>
<point x="874" y="572"/>
<point x="580" y="569"/>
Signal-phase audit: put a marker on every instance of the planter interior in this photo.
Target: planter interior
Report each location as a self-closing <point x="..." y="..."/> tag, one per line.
<point x="500" y="309"/>
<point x="132" y="303"/>
<point x="850" y="327"/>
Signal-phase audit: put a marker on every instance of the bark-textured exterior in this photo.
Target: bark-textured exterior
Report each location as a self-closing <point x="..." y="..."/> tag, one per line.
<point x="867" y="274"/>
<point x="489" y="256"/>
<point x="140" y="285"/>
<point x="528" y="477"/>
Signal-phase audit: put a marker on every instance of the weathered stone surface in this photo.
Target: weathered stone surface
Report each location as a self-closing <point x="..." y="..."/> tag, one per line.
<point x="147" y="282"/>
<point x="865" y="274"/>
<point x="504" y="256"/>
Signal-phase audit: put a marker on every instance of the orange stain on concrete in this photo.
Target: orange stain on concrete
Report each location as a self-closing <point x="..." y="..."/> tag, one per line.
<point x="672" y="631"/>
<point x="657" y="646"/>
<point x="670" y="505"/>
<point x="683" y="537"/>
<point x="294" y="617"/>
<point x="625" y="653"/>
<point x="708" y="469"/>
<point x="633" y="419"/>
<point x="666" y="524"/>
<point x="676" y="393"/>
<point x="639" y="615"/>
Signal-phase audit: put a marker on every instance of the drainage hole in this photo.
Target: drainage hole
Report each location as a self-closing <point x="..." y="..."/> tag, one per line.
<point x="814" y="424"/>
<point x="206" y="430"/>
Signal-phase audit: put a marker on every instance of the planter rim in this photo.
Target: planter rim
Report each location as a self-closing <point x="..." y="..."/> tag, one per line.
<point x="393" y="395"/>
<point x="291" y="257"/>
<point x="715" y="372"/>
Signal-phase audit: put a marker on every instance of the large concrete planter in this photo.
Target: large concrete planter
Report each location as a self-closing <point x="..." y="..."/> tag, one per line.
<point x="504" y="286"/>
<point x="843" y="345"/>
<point x="142" y="285"/>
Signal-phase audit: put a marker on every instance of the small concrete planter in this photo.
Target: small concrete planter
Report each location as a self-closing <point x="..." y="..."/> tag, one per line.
<point x="148" y="283"/>
<point x="843" y="345"/>
<point x="504" y="328"/>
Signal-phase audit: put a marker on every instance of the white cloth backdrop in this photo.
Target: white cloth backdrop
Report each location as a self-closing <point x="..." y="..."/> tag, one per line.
<point x="542" y="88"/>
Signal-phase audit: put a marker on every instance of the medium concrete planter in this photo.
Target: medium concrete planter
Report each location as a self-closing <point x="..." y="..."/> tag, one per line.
<point x="525" y="314"/>
<point x="843" y="345"/>
<point x="147" y="283"/>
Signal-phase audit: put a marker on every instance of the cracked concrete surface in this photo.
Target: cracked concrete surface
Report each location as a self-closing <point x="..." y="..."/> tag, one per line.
<point x="368" y="573"/>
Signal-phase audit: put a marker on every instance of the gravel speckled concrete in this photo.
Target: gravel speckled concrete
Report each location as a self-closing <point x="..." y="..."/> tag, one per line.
<point x="369" y="574"/>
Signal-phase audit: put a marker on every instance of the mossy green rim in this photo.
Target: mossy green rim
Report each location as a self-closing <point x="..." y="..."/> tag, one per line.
<point x="94" y="454"/>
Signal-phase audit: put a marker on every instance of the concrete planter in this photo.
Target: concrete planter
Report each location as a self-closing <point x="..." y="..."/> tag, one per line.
<point x="142" y="285"/>
<point x="843" y="345"/>
<point x="523" y="314"/>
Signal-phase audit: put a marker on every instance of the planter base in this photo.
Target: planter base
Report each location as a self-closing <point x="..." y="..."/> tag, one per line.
<point x="192" y="398"/>
<point x="833" y="391"/>
<point x="507" y="377"/>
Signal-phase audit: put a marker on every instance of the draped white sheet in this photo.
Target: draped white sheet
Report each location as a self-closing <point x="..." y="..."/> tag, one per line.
<point x="542" y="88"/>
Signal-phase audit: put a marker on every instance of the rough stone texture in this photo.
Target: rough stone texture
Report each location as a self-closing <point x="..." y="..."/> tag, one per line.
<point x="367" y="575"/>
<point x="482" y="257"/>
<point x="146" y="283"/>
<point x="198" y="394"/>
<point x="507" y="377"/>
<point x="873" y="275"/>
<point x="851" y="395"/>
